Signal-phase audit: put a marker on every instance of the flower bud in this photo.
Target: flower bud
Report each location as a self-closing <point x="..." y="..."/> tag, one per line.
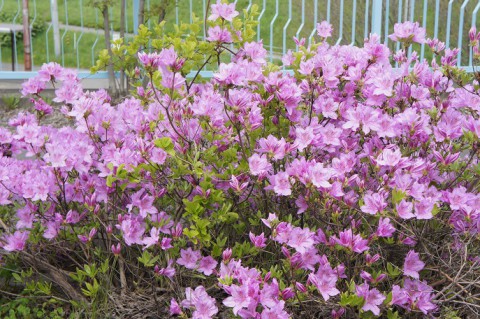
<point x="472" y="33"/>
<point x="116" y="249"/>
<point x="287" y="293"/>
<point x="286" y="252"/>
<point x="300" y="287"/>
<point x="227" y="254"/>
<point x="267" y="276"/>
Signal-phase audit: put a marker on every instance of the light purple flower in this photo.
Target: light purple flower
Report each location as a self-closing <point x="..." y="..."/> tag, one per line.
<point x="412" y="265"/>
<point x="408" y="32"/>
<point x="373" y="298"/>
<point x="324" y="29"/>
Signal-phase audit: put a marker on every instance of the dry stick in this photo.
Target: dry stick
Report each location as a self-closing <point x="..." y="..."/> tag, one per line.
<point x="58" y="276"/>
<point x="123" y="279"/>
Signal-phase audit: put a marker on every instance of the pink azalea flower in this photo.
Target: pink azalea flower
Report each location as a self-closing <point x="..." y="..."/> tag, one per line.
<point x="277" y="311"/>
<point x="189" y="258"/>
<point x="385" y="228"/>
<point x="325" y="280"/>
<point x="374" y="203"/>
<point x="168" y="271"/>
<point x="204" y="306"/>
<point x="133" y="228"/>
<point x="280" y="183"/>
<point x="301" y="239"/>
<point x="353" y="242"/>
<point x="259" y="165"/>
<point x="239" y="298"/>
<point x="303" y="137"/>
<point x="373" y="298"/>
<point x="207" y="265"/>
<point x="217" y="34"/>
<point x="174" y="308"/>
<point x="223" y="10"/>
<point x="405" y="210"/>
<point x="324" y="29"/>
<point x="15" y="241"/>
<point x="413" y="265"/>
<point x="258" y="241"/>
<point x="408" y="32"/>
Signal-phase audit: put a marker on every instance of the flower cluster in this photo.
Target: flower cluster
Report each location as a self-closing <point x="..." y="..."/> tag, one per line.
<point x="342" y="188"/>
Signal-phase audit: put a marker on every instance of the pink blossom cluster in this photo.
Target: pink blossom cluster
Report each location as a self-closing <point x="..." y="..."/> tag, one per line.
<point x="349" y="162"/>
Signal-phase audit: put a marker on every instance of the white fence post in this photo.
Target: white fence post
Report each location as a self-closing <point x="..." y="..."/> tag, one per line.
<point x="377" y="10"/>
<point x="136" y="8"/>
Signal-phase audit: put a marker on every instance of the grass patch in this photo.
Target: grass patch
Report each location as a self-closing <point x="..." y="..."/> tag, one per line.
<point x="79" y="51"/>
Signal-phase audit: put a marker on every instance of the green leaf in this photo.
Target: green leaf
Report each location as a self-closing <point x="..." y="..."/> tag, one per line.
<point x="393" y="271"/>
<point x="110" y="180"/>
<point x="397" y="196"/>
<point x="166" y="144"/>
<point x="392" y="315"/>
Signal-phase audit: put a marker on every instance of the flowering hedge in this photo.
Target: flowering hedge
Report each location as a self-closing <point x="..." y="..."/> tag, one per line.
<point x="345" y="189"/>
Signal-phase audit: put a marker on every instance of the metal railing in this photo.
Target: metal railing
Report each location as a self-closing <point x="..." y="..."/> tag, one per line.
<point x="81" y="26"/>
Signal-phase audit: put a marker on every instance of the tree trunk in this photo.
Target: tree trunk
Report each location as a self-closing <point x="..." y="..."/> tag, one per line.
<point x="27" y="50"/>
<point x="141" y="12"/>
<point x="111" y="75"/>
<point x="162" y="10"/>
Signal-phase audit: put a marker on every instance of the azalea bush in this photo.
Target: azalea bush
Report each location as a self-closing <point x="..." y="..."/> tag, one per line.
<point x="334" y="185"/>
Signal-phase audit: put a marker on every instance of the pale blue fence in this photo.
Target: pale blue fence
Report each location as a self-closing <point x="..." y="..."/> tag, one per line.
<point x="81" y="25"/>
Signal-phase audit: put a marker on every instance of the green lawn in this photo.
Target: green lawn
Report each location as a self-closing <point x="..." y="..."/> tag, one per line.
<point x="88" y="44"/>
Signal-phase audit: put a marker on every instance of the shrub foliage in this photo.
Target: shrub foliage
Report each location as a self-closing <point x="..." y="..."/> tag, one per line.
<point x="344" y="187"/>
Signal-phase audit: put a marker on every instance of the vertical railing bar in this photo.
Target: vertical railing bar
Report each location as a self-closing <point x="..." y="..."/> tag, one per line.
<point x="1" y="67"/>
<point x="271" y="30"/>
<point x="176" y="12"/>
<point x="135" y="11"/>
<point x="377" y="10"/>
<point x="449" y="22"/>
<point x="340" y="27"/>
<point x="96" y="38"/>
<point x="64" y="32"/>
<point x="387" y="16"/>
<point x="286" y="26"/>
<point x="260" y="18"/>
<point x="249" y="5"/>
<point x="354" y="21"/>
<point x="203" y="12"/>
<point x="191" y="11"/>
<point x="46" y="42"/>
<point x="474" y="24"/>
<point x="412" y="18"/>
<point x="15" y="37"/>
<point x="460" y="32"/>
<point x="303" y="21"/>
<point x="31" y="28"/>
<point x="437" y="15"/>
<point x="149" y="27"/>
<point x="315" y="20"/>
<point x="366" y="30"/>
<point x="329" y="6"/>
<point x="81" y="32"/>
<point x="399" y="20"/>
<point x="205" y="31"/>
<point x="424" y="25"/>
